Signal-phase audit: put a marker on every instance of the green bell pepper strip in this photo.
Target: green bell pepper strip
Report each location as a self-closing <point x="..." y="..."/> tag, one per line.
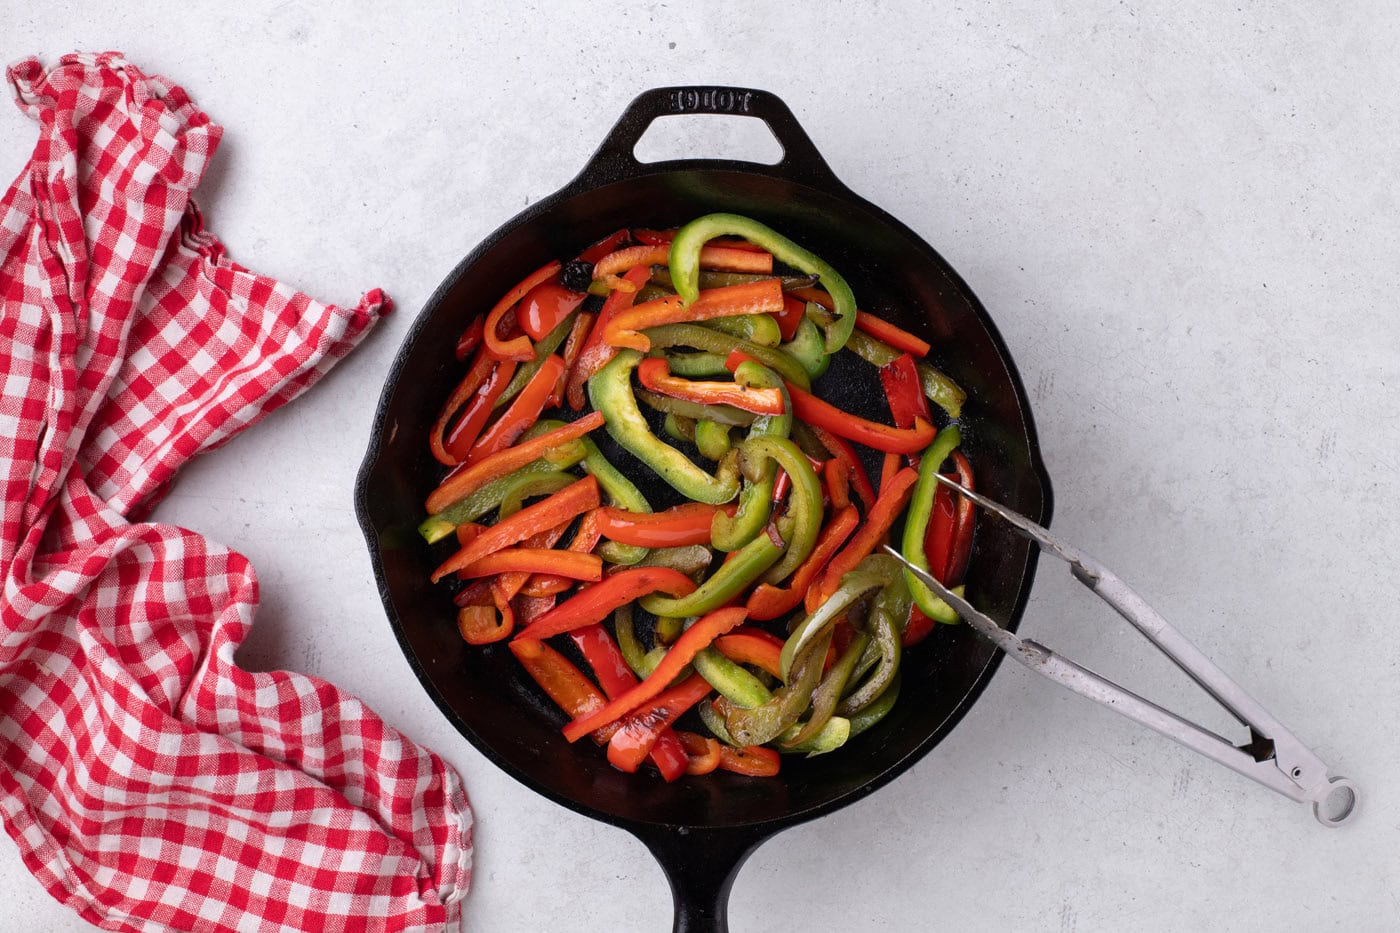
<point x="731" y="579"/>
<point x="875" y="711"/>
<point x="864" y="579"/>
<point x="713" y="341"/>
<point x="829" y="690"/>
<point x="755" y="328"/>
<point x="807" y="346"/>
<point x="804" y="500"/>
<point x="756" y="501"/>
<point x="743" y="689"/>
<point x="695" y="411"/>
<point x="668" y="629"/>
<point x="489" y="497"/>
<point x="885" y="628"/>
<point x="621" y="492"/>
<point x="694" y="365"/>
<point x="632" y="651"/>
<point x="709" y="278"/>
<point x="732" y="680"/>
<point x="685" y="265"/>
<point x="610" y="391"/>
<point x="712" y="439"/>
<point x="551" y="342"/>
<point x="528" y="485"/>
<point x="760" y="725"/>
<point x="679" y="427"/>
<point x="916" y="519"/>
<point x="689" y="560"/>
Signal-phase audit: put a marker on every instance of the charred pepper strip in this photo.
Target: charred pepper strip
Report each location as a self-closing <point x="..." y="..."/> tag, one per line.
<point x="731" y="579"/>
<point x="891" y="607"/>
<point x="760" y="725"/>
<point x="866" y="578"/>
<point x="611" y="393"/>
<point x="638" y="734"/>
<point x="685" y="259"/>
<point x="729" y="533"/>
<point x="804" y="503"/>
<point x="828" y="692"/>
<point x="916" y="523"/>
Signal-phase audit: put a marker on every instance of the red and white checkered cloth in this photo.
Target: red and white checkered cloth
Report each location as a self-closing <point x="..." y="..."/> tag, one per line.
<point x="149" y="782"/>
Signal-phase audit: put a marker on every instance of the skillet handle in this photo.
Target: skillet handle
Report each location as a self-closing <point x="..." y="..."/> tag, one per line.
<point x="615" y="159"/>
<point x="701" y="865"/>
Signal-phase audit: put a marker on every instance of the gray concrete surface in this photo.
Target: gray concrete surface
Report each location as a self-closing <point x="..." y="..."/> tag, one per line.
<point x="1182" y="217"/>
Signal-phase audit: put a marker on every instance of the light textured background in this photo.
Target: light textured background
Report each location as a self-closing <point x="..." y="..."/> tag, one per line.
<point x="1185" y="226"/>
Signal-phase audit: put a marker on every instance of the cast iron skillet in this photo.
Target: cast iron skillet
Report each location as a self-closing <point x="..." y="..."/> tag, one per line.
<point x="702" y="829"/>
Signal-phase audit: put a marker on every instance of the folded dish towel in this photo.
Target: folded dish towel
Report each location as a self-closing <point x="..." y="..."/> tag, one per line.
<point x="150" y="782"/>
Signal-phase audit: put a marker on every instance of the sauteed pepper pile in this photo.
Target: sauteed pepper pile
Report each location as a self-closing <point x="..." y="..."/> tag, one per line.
<point x="756" y="597"/>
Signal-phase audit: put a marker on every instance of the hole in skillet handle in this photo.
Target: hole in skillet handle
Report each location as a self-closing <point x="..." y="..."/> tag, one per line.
<point x="616" y="158"/>
<point x="701" y="865"/>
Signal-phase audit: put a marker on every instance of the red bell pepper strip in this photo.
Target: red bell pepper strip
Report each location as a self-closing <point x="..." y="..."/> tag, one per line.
<point x="703" y="752"/>
<point x="544" y="306"/>
<point x="524" y="410"/>
<point x="468" y="427"/>
<point x="938" y="538"/>
<point x="616" y="678"/>
<point x="529" y="608"/>
<point x="725" y="258"/>
<point x="533" y="519"/>
<point x="596" y="352"/>
<point x="770" y="602"/>
<point x="882" y="515"/>
<point x="638" y="733"/>
<point x="753" y="646"/>
<point x="752" y="760"/>
<point x="471" y="337"/>
<point x="561" y="681"/>
<point x="519" y="348"/>
<point x="595" y="603"/>
<point x="466" y="389"/>
<point x="585" y="540"/>
<point x="468" y="478"/>
<point x="654" y="237"/>
<point x="838" y="482"/>
<point x="820" y="414"/>
<point x="905" y="392"/>
<point x="889" y="467"/>
<point x="604" y="246"/>
<point x="762" y="297"/>
<point x="698" y="636"/>
<point x="961" y="547"/>
<point x="655" y="374"/>
<point x="790" y="316"/>
<point x="877" y="327"/>
<point x="841" y="449"/>
<point x="508" y="585"/>
<point x="587" y="567"/>
<point x="917" y="629"/>
<point x="682" y="525"/>
<point x="467" y="532"/>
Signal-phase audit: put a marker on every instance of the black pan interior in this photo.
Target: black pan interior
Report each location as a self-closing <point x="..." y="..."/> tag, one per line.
<point x="484" y="692"/>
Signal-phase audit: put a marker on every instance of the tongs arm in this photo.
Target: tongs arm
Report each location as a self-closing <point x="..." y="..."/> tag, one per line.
<point x="1274" y="757"/>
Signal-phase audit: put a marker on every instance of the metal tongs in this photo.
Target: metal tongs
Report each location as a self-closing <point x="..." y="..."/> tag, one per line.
<point x="1273" y="756"/>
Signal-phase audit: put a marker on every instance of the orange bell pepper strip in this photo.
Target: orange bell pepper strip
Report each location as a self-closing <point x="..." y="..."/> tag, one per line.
<point x="469" y="477"/>
<point x="482" y="624"/>
<point x="466" y="390"/>
<point x="638" y="734"/>
<point x="595" y="603"/>
<point x="753" y="646"/>
<point x="565" y="684"/>
<point x="882" y="515"/>
<point x="679" y="526"/>
<point x="587" y="567"/>
<point x="585" y="539"/>
<point x="877" y="327"/>
<point x="752" y="760"/>
<point x="518" y="348"/>
<point x="703" y="752"/>
<point x="655" y="374"/>
<point x="624" y="330"/>
<point x="533" y="519"/>
<point x="770" y="602"/>
<point x="822" y="414"/>
<point x="596" y="353"/>
<point x="888" y="468"/>
<point x="838" y="482"/>
<point x="725" y="258"/>
<point x="692" y="640"/>
<point x="523" y="411"/>
<point x="616" y="678"/>
<point x="508" y="585"/>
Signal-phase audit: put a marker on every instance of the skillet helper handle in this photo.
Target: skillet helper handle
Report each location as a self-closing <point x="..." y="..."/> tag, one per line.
<point x="701" y="865"/>
<point x="616" y="160"/>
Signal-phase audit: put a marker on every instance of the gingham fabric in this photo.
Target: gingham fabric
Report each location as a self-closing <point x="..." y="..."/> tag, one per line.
<point x="149" y="782"/>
